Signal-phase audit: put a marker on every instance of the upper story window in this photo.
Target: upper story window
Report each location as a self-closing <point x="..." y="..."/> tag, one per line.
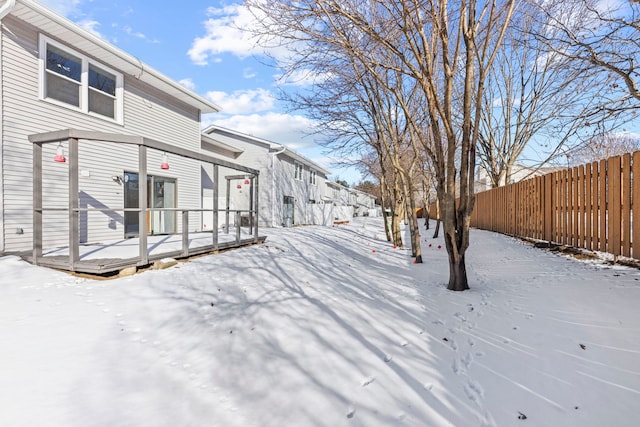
<point x="312" y="177"/>
<point x="75" y="81"/>
<point x="298" y="171"/>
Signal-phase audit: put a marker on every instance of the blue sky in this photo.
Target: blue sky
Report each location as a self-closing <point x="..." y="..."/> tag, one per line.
<point x="196" y="43"/>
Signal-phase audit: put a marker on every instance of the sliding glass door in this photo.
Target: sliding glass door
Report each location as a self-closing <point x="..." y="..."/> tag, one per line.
<point x="161" y="193"/>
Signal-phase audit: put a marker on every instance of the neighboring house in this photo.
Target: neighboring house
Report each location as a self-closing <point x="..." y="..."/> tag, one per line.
<point x="365" y="203"/>
<point x="518" y="173"/>
<point x="359" y="202"/>
<point x="290" y="184"/>
<point x="63" y="87"/>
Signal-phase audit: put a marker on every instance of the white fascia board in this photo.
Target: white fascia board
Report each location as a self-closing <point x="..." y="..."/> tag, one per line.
<point x="211" y="130"/>
<point x="305" y="161"/>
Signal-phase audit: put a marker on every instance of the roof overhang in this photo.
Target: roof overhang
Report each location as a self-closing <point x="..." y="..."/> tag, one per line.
<point x="211" y="144"/>
<point x="66" y="31"/>
<point x="301" y="159"/>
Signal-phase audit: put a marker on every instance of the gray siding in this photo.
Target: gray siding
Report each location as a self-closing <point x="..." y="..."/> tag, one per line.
<point x="255" y="155"/>
<point x="147" y="112"/>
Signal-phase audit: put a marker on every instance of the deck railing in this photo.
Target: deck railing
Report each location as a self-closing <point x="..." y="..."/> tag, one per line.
<point x="73" y="138"/>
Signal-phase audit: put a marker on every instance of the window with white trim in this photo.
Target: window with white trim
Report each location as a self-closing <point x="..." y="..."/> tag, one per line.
<point x="71" y="79"/>
<point x="312" y="177"/>
<point x="298" y="171"/>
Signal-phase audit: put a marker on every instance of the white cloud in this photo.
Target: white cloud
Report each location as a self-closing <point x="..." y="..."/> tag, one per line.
<point x="290" y="130"/>
<point x="249" y="73"/>
<point x="224" y="34"/>
<point x="63" y="7"/>
<point x="243" y="101"/>
<point x="188" y="83"/>
<point x="91" y="26"/>
<point x="137" y="34"/>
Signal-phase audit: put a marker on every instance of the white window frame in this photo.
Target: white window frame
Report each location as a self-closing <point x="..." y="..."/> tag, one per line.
<point x="299" y="171"/>
<point x="84" y="81"/>
<point x="312" y="177"/>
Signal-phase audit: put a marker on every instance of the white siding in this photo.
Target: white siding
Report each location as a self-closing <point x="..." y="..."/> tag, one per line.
<point x="146" y="112"/>
<point x="256" y="156"/>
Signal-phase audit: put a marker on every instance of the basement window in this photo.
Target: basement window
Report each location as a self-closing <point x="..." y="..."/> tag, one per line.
<point x="72" y="80"/>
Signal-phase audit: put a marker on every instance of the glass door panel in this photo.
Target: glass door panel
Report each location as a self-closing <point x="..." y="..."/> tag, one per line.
<point x="161" y="193"/>
<point x="131" y="219"/>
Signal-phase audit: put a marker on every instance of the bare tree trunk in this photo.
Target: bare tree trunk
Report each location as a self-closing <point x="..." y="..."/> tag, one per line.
<point x="412" y="219"/>
<point x="426" y="216"/>
<point x="437" y="230"/>
<point x="387" y="224"/>
<point x="398" y="216"/>
<point x="457" y="272"/>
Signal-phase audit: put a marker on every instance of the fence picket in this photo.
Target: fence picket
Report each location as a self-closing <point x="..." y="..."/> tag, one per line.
<point x="591" y="206"/>
<point x="625" y="224"/>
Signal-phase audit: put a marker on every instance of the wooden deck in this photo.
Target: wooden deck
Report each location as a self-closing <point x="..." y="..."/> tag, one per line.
<point x="92" y="262"/>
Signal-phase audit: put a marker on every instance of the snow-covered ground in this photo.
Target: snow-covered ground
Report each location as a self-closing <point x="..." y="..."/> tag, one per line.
<point x="325" y="327"/>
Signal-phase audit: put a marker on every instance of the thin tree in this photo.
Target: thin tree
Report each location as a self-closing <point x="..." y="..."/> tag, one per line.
<point x="603" y="147"/>
<point x="600" y="37"/>
<point x="446" y="47"/>
<point x="534" y="94"/>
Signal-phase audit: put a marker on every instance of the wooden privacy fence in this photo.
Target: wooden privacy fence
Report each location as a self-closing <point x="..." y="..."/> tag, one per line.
<point x="590" y="206"/>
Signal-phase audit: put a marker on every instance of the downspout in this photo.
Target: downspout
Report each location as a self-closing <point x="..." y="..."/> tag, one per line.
<point x="5" y="9"/>
<point x="273" y="184"/>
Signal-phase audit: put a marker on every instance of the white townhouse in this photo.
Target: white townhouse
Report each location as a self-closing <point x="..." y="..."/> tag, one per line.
<point x="291" y="185"/>
<point x="359" y="202"/>
<point x="96" y="145"/>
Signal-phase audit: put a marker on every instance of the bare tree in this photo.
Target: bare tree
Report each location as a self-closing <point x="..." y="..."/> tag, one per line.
<point x="603" y="147"/>
<point x="601" y="37"/>
<point x="533" y="93"/>
<point x="446" y="48"/>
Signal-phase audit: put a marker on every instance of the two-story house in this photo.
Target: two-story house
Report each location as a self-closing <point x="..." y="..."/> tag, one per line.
<point x="94" y="144"/>
<point x="291" y="185"/>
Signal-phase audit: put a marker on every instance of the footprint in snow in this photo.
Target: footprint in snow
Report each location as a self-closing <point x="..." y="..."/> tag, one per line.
<point x="456" y="366"/>
<point x="467" y="360"/>
<point x="351" y="412"/>
<point x="460" y="316"/>
<point x="368" y="381"/>
<point x="474" y="391"/>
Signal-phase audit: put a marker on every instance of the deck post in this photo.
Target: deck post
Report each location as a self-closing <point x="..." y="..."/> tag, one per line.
<point x="37" y="202"/>
<point x="255" y="207"/>
<point x="227" y="208"/>
<point x="251" y="200"/>
<point x="237" y="221"/>
<point x="185" y="233"/>
<point x="74" y="205"/>
<point x="142" y="205"/>
<point x="215" y="206"/>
